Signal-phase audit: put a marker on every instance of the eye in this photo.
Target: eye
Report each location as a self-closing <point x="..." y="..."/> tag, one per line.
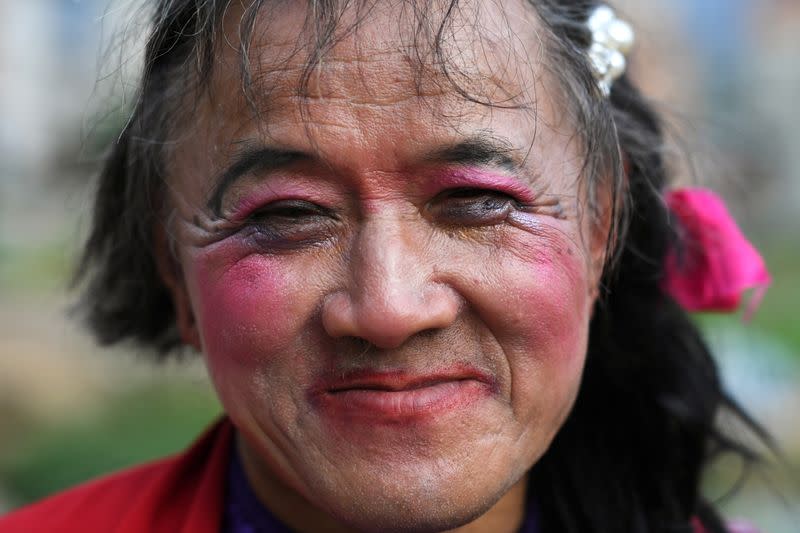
<point x="472" y="207"/>
<point x="288" y="209"/>
<point x="291" y="223"/>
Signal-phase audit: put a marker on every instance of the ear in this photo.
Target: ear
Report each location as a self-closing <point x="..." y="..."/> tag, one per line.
<point x="171" y="274"/>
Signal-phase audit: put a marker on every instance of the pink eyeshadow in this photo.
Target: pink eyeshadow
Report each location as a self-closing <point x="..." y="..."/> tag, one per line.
<point x="282" y="189"/>
<point x="473" y="177"/>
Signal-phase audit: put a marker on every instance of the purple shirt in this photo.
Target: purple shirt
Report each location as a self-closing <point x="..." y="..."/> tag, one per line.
<point x="244" y="513"/>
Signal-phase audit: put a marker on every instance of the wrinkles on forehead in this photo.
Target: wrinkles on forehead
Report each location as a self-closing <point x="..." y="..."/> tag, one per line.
<point x="399" y="50"/>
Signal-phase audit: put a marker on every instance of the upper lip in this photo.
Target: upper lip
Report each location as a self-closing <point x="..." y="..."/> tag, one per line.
<point x="399" y="380"/>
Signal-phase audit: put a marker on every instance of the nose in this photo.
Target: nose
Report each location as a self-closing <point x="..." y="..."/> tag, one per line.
<point x="392" y="292"/>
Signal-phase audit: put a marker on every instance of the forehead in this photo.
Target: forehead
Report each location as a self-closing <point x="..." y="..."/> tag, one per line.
<point x="381" y="53"/>
<point x="482" y="45"/>
<point x="388" y="76"/>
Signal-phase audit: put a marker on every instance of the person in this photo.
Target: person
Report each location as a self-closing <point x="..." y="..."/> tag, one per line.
<point x="430" y="256"/>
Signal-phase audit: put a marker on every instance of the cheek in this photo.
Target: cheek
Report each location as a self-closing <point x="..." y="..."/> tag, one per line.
<point x="247" y="309"/>
<point x="542" y="310"/>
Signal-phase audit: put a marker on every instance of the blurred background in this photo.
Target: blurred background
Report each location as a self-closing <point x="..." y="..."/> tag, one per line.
<point x="726" y="73"/>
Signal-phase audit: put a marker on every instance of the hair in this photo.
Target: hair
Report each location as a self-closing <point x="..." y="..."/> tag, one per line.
<point x="631" y="454"/>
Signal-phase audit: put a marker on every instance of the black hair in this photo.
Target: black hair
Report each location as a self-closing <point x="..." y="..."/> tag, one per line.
<point x="631" y="454"/>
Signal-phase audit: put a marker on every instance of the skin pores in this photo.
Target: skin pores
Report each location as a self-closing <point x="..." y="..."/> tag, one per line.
<point x="392" y="303"/>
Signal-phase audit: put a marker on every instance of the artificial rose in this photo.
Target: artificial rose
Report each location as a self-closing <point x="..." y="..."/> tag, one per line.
<point x="715" y="263"/>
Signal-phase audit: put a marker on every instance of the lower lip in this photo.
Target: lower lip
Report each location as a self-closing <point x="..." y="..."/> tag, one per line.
<point x="410" y="405"/>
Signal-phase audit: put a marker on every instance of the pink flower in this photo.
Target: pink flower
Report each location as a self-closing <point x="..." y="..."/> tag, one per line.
<point x="716" y="263"/>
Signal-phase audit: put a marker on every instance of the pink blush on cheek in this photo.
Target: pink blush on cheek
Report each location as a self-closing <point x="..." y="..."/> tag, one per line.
<point x="245" y="315"/>
<point x="546" y="291"/>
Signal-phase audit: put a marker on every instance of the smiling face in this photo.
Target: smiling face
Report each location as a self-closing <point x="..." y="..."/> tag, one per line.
<point x="390" y="284"/>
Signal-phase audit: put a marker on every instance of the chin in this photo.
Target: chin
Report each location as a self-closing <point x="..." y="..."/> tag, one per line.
<point x="414" y="501"/>
<point x="410" y="516"/>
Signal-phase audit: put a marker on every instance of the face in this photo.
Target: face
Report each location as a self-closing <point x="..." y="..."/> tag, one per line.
<point x="391" y="285"/>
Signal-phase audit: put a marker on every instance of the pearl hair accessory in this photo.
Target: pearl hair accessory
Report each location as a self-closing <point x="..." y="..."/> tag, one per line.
<point x="612" y="39"/>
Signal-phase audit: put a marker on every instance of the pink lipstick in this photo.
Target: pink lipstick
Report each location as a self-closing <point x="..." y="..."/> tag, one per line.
<point x="397" y="396"/>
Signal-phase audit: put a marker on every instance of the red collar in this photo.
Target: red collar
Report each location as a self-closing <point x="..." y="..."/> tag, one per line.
<point x="183" y="493"/>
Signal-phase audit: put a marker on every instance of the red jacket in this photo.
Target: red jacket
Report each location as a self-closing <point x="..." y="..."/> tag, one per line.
<point x="179" y="494"/>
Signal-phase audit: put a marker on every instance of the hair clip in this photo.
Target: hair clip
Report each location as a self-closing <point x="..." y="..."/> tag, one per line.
<point x="612" y="39"/>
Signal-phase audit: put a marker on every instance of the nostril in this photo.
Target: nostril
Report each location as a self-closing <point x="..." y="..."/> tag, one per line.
<point x="429" y="332"/>
<point x="360" y="346"/>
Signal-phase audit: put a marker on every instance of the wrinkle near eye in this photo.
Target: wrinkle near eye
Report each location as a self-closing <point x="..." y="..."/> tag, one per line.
<point x="201" y="229"/>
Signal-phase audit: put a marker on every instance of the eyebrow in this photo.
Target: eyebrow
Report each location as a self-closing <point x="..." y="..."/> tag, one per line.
<point x="249" y="159"/>
<point x="482" y="149"/>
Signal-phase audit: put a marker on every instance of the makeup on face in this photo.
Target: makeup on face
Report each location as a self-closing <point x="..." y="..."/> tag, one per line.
<point x="283" y="188"/>
<point x="288" y="208"/>
<point x="479" y="178"/>
<point x="371" y="396"/>
<point x="317" y="308"/>
<point x="470" y="162"/>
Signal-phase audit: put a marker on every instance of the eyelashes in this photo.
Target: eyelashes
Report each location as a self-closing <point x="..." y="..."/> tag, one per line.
<point x="292" y="223"/>
<point x="295" y="224"/>
<point x="472" y="207"/>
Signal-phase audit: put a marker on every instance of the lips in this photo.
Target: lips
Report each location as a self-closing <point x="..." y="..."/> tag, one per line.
<point x="399" y="396"/>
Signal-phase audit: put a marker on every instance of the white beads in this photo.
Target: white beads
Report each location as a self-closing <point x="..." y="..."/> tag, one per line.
<point x="621" y="33"/>
<point x="612" y="39"/>
<point x="600" y="18"/>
